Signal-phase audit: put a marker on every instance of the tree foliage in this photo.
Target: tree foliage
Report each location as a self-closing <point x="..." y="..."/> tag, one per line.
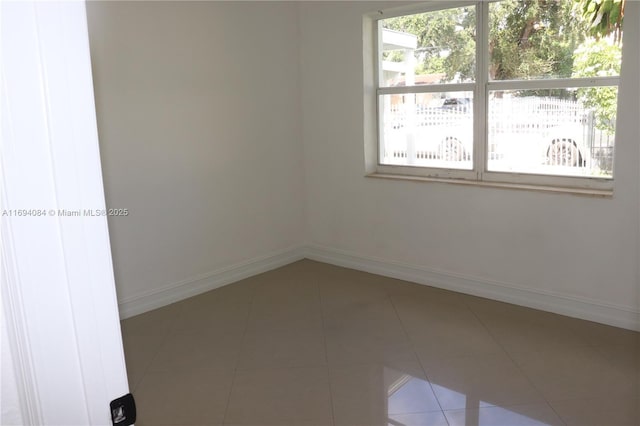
<point x="599" y="58"/>
<point x="532" y="39"/>
<point x="527" y="39"/>
<point x="604" y="17"/>
<point x="446" y="41"/>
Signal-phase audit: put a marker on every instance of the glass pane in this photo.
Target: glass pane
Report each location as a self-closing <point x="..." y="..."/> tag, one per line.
<point x="559" y="132"/>
<point x="537" y="39"/>
<point x="427" y="129"/>
<point x="428" y="48"/>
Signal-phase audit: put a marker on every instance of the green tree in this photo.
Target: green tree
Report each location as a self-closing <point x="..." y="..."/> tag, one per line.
<point x="604" y="17"/>
<point x="446" y="41"/>
<point x="533" y="39"/>
<point x="527" y="39"/>
<point x="599" y="58"/>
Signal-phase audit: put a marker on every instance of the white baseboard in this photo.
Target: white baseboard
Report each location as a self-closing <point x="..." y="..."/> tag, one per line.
<point x="191" y="287"/>
<point x="591" y="310"/>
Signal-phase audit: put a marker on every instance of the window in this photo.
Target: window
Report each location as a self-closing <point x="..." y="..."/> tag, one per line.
<point x="505" y="91"/>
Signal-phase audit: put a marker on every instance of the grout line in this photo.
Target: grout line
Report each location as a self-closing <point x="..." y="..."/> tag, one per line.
<point x="415" y="354"/>
<point x="240" y="346"/>
<point x="326" y="352"/>
<point x="514" y="362"/>
<point x="156" y="353"/>
<point x="146" y="368"/>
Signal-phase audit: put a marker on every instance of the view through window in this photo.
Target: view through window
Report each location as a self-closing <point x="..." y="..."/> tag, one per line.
<point x="507" y="87"/>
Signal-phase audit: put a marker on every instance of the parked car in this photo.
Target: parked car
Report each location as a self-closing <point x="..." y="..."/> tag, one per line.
<point x="448" y="139"/>
<point x="459" y="104"/>
<point x="531" y="135"/>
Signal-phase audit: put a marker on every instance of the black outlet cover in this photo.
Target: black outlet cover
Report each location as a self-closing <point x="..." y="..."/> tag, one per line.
<point x="123" y="410"/>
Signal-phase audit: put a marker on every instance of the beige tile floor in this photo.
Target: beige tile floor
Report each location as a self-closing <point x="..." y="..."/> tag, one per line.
<point x="314" y="344"/>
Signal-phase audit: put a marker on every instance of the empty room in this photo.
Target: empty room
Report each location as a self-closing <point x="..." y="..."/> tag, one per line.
<point x="321" y="213"/>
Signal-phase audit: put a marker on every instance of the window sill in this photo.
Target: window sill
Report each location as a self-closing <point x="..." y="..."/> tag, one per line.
<point x="587" y="192"/>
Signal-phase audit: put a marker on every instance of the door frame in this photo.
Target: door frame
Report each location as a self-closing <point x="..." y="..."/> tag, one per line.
<point x="59" y="299"/>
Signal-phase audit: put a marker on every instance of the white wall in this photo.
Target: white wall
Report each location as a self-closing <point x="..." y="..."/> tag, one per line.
<point x="581" y="249"/>
<point x="199" y="125"/>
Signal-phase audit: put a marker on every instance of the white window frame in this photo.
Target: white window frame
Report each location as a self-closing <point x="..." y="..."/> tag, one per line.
<point x="480" y="88"/>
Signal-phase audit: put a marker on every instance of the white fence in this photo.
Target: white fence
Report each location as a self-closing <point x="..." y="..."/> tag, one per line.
<point x="564" y="129"/>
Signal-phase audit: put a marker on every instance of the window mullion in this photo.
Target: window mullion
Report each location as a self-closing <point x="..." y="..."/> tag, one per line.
<point x="553" y="83"/>
<point x="480" y="96"/>
<point x="430" y="88"/>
